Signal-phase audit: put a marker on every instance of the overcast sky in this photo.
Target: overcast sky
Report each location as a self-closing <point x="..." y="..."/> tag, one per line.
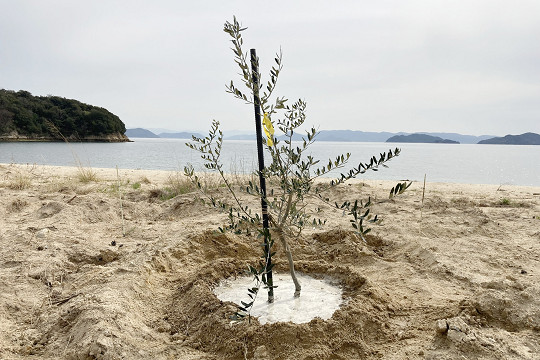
<point x="471" y="67"/>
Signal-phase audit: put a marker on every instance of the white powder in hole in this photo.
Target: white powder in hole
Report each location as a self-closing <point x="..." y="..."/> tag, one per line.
<point x="318" y="298"/>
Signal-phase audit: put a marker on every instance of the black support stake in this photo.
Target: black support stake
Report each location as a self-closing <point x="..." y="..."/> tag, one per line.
<point x="262" y="180"/>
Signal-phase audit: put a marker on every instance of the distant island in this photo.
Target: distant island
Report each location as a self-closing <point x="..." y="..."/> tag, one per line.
<point x="24" y="117"/>
<point x="420" y="138"/>
<point x="365" y="136"/>
<point x="523" y="139"/>
<point x="144" y="133"/>
<point x="352" y="135"/>
<point x="140" y="133"/>
<point x="179" y="135"/>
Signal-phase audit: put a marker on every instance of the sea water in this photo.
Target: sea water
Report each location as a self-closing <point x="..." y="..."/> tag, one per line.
<point x="454" y="163"/>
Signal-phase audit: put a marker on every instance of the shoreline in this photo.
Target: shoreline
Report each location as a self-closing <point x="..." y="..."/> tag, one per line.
<point x="14" y="136"/>
<point x="53" y="140"/>
<point x="171" y="154"/>
<point x="63" y="170"/>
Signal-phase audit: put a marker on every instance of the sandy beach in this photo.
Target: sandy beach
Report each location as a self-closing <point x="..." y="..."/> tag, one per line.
<point x="100" y="265"/>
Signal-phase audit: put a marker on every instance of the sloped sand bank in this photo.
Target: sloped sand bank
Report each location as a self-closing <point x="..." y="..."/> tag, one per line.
<point x="456" y="278"/>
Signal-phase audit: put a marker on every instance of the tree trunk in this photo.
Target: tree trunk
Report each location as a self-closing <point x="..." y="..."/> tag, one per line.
<point x="285" y="245"/>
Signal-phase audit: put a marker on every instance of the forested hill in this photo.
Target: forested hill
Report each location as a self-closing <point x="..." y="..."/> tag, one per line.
<point x="420" y="138"/>
<point x="53" y="118"/>
<point x="523" y="139"/>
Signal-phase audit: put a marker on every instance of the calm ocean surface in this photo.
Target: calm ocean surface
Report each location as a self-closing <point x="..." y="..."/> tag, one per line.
<point x="457" y="163"/>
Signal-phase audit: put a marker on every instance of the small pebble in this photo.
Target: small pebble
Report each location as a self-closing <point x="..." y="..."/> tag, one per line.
<point x="178" y="337"/>
<point x="42" y="233"/>
<point x="441" y="326"/>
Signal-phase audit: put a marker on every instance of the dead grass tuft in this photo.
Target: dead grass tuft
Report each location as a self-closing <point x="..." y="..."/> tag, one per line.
<point x="86" y="174"/>
<point x="506" y="202"/>
<point x="176" y="184"/>
<point x="20" y="181"/>
<point x="179" y="184"/>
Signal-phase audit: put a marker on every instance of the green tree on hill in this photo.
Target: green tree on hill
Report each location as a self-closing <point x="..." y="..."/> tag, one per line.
<point x="32" y="116"/>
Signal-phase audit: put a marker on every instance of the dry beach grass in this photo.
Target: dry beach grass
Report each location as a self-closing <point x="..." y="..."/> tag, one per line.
<point x="455" y="276"/>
